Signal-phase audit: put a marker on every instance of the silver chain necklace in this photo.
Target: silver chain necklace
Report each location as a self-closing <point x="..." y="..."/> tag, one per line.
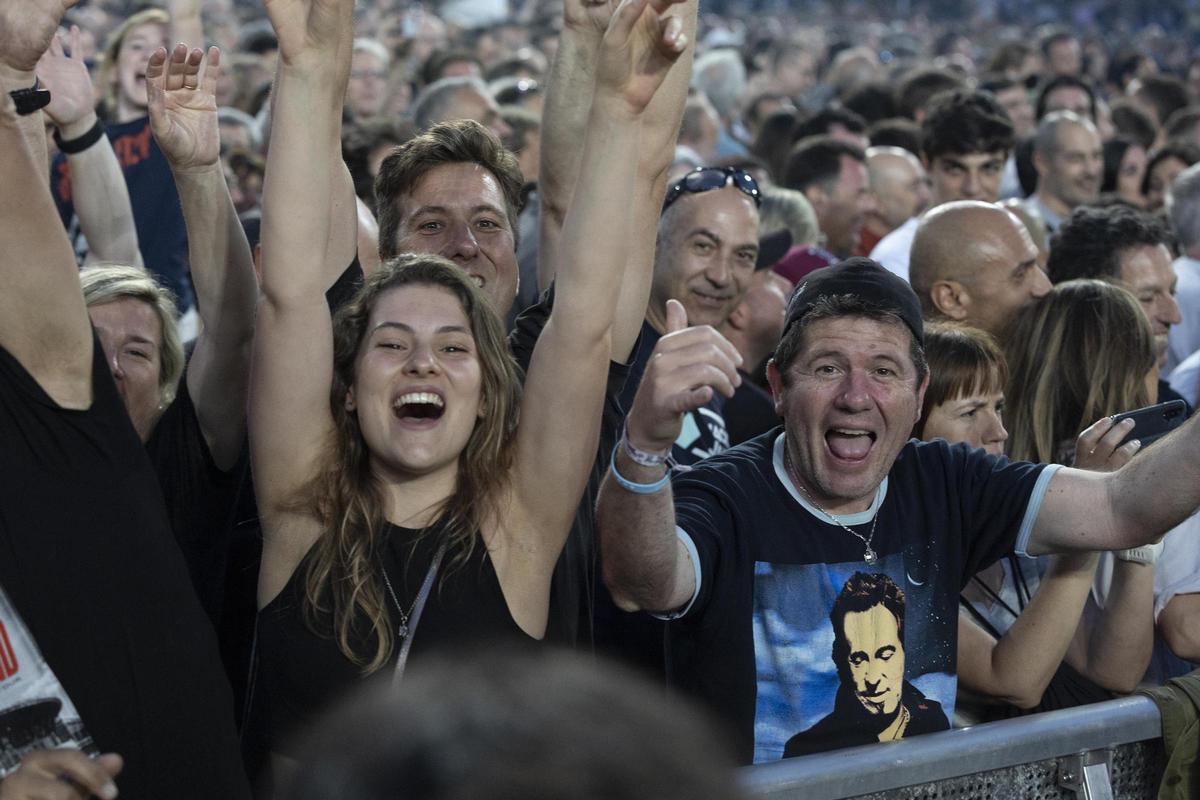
<point x="402" y="630"/>
<point x="869" y="554"/>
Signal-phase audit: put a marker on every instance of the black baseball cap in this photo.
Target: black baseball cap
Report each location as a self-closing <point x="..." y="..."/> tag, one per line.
<point x="772" y="248"/>
<point x="865" y="279"/>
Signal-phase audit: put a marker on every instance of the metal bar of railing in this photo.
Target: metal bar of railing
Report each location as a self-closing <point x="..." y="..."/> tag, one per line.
<point x="952" y="754"/>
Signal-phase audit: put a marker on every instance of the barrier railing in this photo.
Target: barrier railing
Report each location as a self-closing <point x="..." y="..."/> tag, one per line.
<point x="1099" y="751"/>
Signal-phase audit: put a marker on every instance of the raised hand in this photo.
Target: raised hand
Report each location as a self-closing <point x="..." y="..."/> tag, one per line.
<point x="639" y="47"/>
<point x="26" y="28"/>
<point x="1099" y="447"/>
<point x="309" y="30"/>
<point x="182" y="93"/>
<point x="72" y="106"/>
<point x="588" y="16"/>
<point x="687" y="365"/>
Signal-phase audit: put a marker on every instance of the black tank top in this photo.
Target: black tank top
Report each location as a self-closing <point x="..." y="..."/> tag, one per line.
<point x="301" y="668"/>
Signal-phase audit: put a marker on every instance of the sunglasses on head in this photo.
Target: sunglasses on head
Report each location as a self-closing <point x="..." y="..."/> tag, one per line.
<point x="705" y="179"/>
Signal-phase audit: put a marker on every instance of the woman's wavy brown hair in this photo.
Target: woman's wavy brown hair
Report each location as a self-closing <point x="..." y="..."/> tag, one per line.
<point x="342" y="579"/>
<point x="1080" y="353"/>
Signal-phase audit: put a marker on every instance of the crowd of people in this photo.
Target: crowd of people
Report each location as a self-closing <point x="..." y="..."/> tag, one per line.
<point x="359" y="360"/>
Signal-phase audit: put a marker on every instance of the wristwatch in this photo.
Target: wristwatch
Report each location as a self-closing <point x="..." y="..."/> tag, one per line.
<point x="32" y="99"/>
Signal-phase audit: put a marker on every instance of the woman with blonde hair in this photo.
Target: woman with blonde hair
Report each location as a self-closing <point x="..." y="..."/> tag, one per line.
<point x="1082" y="352"/>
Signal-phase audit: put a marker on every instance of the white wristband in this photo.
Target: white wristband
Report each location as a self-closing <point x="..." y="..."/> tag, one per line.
<point x="1146" y="554"/>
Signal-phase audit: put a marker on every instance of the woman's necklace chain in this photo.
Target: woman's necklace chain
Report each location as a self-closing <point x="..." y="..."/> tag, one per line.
<point x="869" y="554"/>
<point x="402" y="630"/>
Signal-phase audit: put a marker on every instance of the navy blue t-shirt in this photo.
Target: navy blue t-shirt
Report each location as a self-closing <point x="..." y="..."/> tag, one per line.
<point x="157" y="214"/>
<point x="758" y="644"/>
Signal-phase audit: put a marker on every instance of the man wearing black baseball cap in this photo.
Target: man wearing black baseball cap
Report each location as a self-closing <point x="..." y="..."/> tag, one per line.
<point x="749" y="551"/>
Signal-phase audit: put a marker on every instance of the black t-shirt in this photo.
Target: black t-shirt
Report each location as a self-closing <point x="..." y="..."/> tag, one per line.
<point x="750" y="412"/>
<point x="758" y="644"/>
<point x="574" y="584"/>
<point x="703" y="433"/>
<point x="89" y="562"/>
<point x="157" y="213"/>
<point x="201" y="498"/>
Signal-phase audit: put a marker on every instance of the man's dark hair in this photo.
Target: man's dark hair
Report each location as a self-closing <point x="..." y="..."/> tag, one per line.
<point x="1008" y="57"/>
<point x="434" y="67"/>
<point x="360" y="139"/>
<point x="1182" y="124"/>
<point x="1064" y="82"/>
<point x="1186" y="152"/>
<point x="873" y="101"/>
<point x="1133" y="123"/>
<point x="861" y="593"/>
<point x="1124" y="66"/>
<point x="1053" y="37"/>
<point x="896" y="132"/>
<point x="791" y="344"/>
<point x="962" y="122"/>
<point x="753" y="113"/>
<point x="817" y="160"/>
<point x="996" y="84"/>
<point x="1090" y="242"/>
<point x="462" y="141"/>
<point x="820" y="123"/>
<point x="920" y="86"/>
<point x="1166" y="93"/>
<point x="773" y="143"/>
<point x="501" y="723"/>
<point x="1114" y="152"/>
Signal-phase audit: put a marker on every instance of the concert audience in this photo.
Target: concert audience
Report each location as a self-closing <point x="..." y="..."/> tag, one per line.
<point x="428" y="177"/>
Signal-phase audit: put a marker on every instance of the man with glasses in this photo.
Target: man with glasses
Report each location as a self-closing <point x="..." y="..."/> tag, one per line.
<point x="705" y="259"/>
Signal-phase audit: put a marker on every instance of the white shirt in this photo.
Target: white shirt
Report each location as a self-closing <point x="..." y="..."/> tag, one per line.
<point x="1185" y="378"/>
<point x="1184" y="338"/>
<point x="894" y="250"/>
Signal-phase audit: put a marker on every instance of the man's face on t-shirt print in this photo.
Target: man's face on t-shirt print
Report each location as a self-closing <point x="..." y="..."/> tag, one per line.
<point x="876" y="658"/>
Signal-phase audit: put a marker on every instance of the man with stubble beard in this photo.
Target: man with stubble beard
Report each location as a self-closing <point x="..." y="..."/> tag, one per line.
<point x="1069" y="159"/>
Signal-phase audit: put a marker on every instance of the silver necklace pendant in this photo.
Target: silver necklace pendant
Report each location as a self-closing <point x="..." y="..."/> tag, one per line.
<point x="402" y="631"/>
<point x="870" y="556"/>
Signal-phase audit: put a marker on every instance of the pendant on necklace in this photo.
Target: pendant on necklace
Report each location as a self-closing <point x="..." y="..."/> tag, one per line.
<point x="402" y="631"/>
<point x="870" y="556"/>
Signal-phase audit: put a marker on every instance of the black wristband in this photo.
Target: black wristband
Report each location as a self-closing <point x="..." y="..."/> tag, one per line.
<point x="28" y="101"/>
<point x="81" y="143"/>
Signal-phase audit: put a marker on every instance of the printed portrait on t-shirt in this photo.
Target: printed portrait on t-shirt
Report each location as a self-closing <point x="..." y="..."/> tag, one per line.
<point x="841" y="661"/>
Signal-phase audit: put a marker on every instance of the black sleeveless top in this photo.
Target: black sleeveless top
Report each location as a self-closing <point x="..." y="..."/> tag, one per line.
<point x="302" y="671"/>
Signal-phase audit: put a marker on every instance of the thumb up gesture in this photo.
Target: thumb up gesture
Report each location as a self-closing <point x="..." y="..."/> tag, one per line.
<point x="686" y="367"/>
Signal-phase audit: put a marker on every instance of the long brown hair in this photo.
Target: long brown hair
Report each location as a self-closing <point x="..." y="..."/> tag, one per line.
<point x="1080" y="353"/>
<point x="342" y="579"/>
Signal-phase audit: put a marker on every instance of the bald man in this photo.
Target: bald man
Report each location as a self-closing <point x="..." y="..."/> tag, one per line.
<point x="974" y="262"/>
<point x="1069" y="158"/>
<point x="901" y="189"/>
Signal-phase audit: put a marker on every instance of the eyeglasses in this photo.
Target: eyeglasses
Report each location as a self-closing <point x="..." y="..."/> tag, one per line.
<point x="705" y="179"/>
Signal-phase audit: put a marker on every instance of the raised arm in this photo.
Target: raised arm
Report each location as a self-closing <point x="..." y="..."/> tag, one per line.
<point x="644" y="565"/>
<point x="1018" y="667"/>
<point x="1112" y="645"/>
<point x="290" y="420"/>
<point x="564" y="123"/>
<point x="181" y="89"/>
<point x="43" y="321"/>
<point x="565" y="385"/>
<point x="98" y="188"/>
<point x="186" y="23"/>
<point x="1133" y="506"/>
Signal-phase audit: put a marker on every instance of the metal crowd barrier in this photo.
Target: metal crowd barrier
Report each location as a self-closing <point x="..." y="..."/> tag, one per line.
<point x="1098" y="752"/>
